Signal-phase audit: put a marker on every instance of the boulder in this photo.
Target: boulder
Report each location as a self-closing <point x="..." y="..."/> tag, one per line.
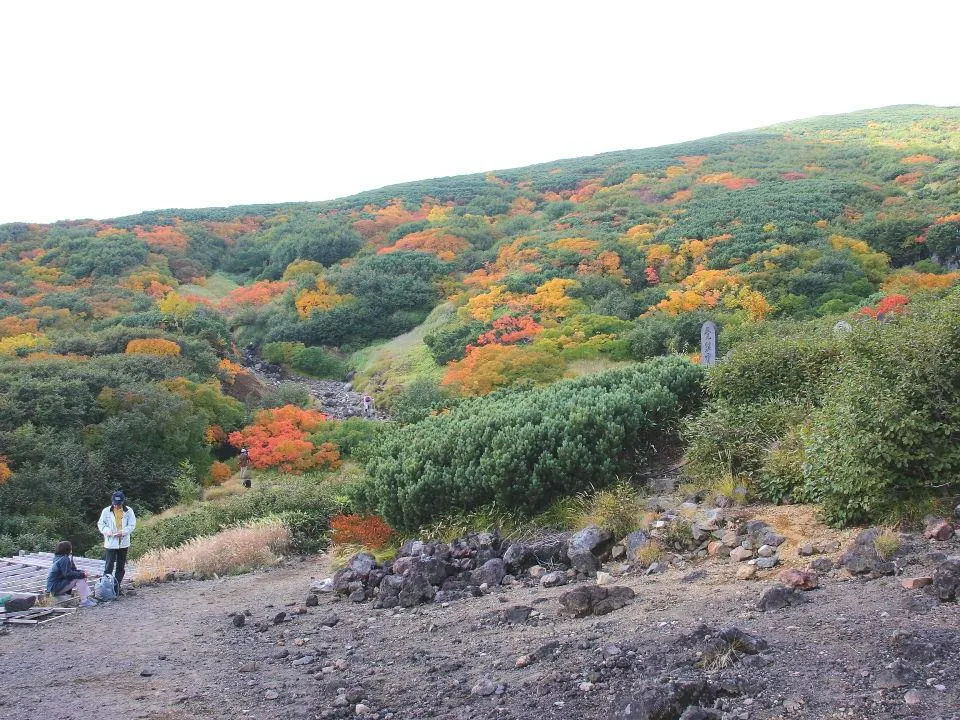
<point x="659" y="700"/>
<point x="587" y="548"/>
<point x="594" y="600"/>
<point x="412" y="548"/>
<point x="778" y="598"/>
<point x="402" y="565"/>
<point x="822" y="565"/>
<point x="516" y="615"/>
<point x="861" y="557"/>
<point x="634" y="543"/>
<point x="746" y="572"/>
<point x="731" y="539"/>
<point x="358" y="569"/>
<point x="946" y="580"/>
<point x="745" y="642"/>
<point x="491" y="573"/>
<point x="553" y="579"/>
<point x="765" y="563"/>
<point x="322" y="586"/>
<point x="416" y="589"/>
<point x="740" y="554"/>
<point x="436" y="570"/>
<point x="755" y="529"/>
<point x="549" y="552"/>
<point x="517" y="558"/>
<point x="799" y="579"/>
<point x="939" y="529"/>
<point x="773" y="539"/>
<point x="915" y="583"/>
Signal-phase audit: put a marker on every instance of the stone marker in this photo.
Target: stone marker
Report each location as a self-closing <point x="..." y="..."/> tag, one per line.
<point x="708" y="344"/>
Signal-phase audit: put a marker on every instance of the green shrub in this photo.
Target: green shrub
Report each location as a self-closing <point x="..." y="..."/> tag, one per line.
<point x="781" y="475"/>
<point x="312" y="503"/>
<point x="354" y="436"/>
<point x="523" y="448"/>
<point x="416" y="400"/>
<point x="889" y="429"/>
<point x="736" y="439"/>
<point x="773" y="366"/>
<point x="318" y="362"/>
<point x="314" y="361"/>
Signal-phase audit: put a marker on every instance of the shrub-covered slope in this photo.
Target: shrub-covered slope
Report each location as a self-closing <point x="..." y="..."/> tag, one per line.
<point x="120" y="338"/>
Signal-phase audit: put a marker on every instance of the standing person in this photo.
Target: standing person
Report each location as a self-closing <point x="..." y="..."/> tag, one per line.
<point x="367" y="404"/>
<point x="64" y="575"/>
<point x="117" y="523"/>
<point x="245" y="472"/>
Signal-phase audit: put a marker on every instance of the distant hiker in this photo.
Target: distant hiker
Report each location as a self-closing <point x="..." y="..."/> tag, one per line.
<point x="367" y="404"/>
<point x="64" y="575"/>
<point x="245" y="472"/>
<point x="117" y="522"/>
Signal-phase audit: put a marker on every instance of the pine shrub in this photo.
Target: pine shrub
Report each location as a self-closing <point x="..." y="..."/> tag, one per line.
<point x="523" y="448"/>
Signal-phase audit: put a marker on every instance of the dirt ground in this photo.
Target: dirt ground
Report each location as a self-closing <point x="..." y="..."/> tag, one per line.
<point x="172" y="651"/>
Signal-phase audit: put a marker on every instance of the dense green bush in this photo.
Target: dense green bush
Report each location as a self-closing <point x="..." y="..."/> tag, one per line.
<point x="353" y="436"/>
<point x="305" y="503"/>
<point x="523" y="448"/>
<point x="315" y="361"/>
<point x="760" y="394"/>
<point x="889" y="428"/>
<point x="738" y="439"/>
<point x="774" y="366"/>
<point x="417" y="400"/>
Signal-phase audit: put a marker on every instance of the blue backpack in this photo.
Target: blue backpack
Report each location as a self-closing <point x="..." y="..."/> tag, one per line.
<point x="106" y="588"/>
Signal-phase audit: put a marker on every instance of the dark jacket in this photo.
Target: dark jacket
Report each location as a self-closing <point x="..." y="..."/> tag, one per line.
<point x="62" y="572"/>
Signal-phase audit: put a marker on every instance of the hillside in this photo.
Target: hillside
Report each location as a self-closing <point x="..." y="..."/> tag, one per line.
<point x="121" y="339"/>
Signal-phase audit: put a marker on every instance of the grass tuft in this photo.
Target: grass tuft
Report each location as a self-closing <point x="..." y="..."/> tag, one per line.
<point x="886" y="543"/>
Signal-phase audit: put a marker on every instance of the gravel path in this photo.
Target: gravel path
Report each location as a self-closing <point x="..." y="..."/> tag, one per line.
<point x="853" y="650"/>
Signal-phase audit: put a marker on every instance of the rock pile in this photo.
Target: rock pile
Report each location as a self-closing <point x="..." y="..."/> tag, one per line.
<point x="470" y="566"/>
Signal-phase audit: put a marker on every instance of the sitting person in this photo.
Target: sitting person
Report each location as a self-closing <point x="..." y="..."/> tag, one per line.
<point x="64" y="576"/>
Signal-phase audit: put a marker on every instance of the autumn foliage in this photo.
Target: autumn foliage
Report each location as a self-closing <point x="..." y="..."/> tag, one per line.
<point x="259" y="293"/>
<point x="164" y="238"/>
<point x="433" y="240"/>
<point x="891" y="304"/>
<point x="323" y="297"/>
<point x="5" y="472"/>
<point x="219" y="472"/>
<point x="278" y="439"/>
<point x="367" y="530"/>
<point x="152" y="346"/>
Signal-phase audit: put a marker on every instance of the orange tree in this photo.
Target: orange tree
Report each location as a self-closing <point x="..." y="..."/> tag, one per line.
<point x="278" y="438"/>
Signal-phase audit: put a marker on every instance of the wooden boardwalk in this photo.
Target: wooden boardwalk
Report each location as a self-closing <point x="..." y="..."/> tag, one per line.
<point x="27" y="573"/>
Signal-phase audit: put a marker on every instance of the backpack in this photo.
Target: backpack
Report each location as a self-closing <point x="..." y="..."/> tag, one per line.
<point x="106" y="588"/>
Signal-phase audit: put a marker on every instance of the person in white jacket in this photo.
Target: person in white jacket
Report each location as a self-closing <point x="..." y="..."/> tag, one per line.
<point x="117" y="523"/>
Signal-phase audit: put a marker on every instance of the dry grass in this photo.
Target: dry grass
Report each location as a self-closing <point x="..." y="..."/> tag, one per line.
<point x="235" y="550"/>
<point x="620" y="507"/>
<point x="650" y="554"/>
<point x="886" y="543"/>
<point x="722" y="656"/>
<point x="736" y="489"/>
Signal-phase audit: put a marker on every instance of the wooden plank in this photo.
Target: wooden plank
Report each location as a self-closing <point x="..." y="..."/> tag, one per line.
<point x="37" y="616"/>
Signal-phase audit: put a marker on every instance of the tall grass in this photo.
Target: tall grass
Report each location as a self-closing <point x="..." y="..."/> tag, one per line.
<point x="235" y="550"/>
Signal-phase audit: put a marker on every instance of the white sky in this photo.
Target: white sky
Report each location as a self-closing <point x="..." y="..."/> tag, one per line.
<point x="111" y="108"/>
